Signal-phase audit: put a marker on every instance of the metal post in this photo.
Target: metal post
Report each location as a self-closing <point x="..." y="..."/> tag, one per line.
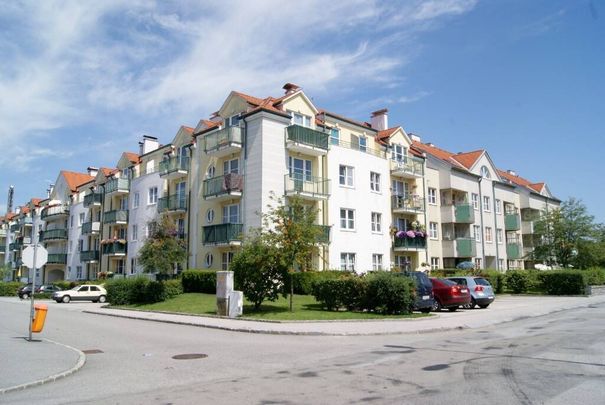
<point x="34" y="268"/>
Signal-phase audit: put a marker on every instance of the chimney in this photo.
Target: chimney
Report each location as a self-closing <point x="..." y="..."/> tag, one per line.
<point x="511" y="172"/>
<point x="148" y="144"/>
<point x="380" y="119"/>
<point x="49" y="190"/>
<point x="414" y="137"/>
<point x="430" y="144"/>
<point x="291" y="88"/>
<point x="92" y="171"/>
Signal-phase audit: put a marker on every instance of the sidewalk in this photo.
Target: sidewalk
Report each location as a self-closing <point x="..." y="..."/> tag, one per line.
<point x="506" y="308"/>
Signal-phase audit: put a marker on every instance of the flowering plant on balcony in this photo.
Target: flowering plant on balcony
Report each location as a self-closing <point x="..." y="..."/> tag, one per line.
<point x="114" y="240"/>
<point x="410" y="234"/>
<point x="400" y="234"/>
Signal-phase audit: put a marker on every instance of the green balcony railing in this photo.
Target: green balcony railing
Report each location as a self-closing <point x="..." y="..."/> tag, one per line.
<point x="92" y="199"/>
<point x="53" y="234"/>
<point x="466" y="247"/>
<point x="409" y="164"/>
<point x="407" y="203"/>
<point x="174" y="164"/>
<point x="464" y="214"/>
<point x="54" y="211"/>
<point x="323" y="234"/>
<point x="307" y="185"/>
<point x="89" y="255"/>
<point x="117" y="185"/>
<point x="174" y="202"/>
<point x="2" y="249"/>
<point x="90" y="227"/>
<point x="114" y="248"/>
<point x="513" y="251"/>
<point x="57" y="258"/>
<point x="15" y="227"/>
<point x="410" y="243"/>
<point x="115" y="216"/>
<point x="220" y="139"/>
<point x="2" y="233"/>
<point x="512" y="222"/>
<point x="226" y="184"/>
<point x="307" y="136"/>
<point x="15" y="246"/>
<point x="222" y="233"/>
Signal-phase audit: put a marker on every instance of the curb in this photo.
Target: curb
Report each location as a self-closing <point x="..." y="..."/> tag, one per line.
<point x="79" y="364"/>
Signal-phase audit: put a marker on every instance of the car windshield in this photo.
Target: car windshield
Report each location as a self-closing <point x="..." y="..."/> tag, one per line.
<point x="482" y="281"/>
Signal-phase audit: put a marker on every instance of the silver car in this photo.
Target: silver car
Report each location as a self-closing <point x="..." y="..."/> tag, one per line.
<point x="481" y="290"/>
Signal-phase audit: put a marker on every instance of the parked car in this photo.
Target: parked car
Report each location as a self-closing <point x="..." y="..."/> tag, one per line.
<point x="25" y="291"/>
<point x="85" y="292"/>
<point x="449" y="294"/>
<point x="424" y="299"/>
<point x="482" y="293"/>
<point x="47" y="288"/>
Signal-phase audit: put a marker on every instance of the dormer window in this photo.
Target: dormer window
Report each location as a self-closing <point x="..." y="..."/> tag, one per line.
<point x="233" y="121"/>
<point x="363" y="143"/>
<point x="300" y="119"/>
<point x="399" y="153"/>
<point x="125" y="173"/>
<point x="485" y="172"/>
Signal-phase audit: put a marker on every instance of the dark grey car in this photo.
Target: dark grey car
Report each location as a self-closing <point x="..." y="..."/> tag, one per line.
<point x="481" y="290"/>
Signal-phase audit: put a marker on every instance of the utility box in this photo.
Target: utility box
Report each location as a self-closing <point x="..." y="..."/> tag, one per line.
<point x="224" y="288"/>
<point x="236" y="304"/>
<point x="39" y="317"/>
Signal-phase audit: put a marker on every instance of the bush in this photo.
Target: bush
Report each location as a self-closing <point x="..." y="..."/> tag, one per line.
<point x="389" y="294"/>
<point x="172" y="288"/>
<point x="563" y="282"/>
<point x="9" y="289"/>
<point x="201" y="281"/>
<point x="495" y="278"/>
<point x="518" y="281"/>
<point x="328" y="293"/>
<point x="135" y="290"/>
<point x="595" y="276"/>
<point x="303" y="281"/>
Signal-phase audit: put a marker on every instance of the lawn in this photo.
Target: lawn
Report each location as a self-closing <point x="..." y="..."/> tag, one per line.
<point x="305" y="309"/>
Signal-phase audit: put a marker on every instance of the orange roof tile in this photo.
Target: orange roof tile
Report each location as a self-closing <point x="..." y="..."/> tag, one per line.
<point x="133" y="157"/>
<point x="107" y="171"/>
<point x="75" y="179"/>
<point x="537" y="186"/>
<point x="385" y="134"/>
<point x="36" y="201"/>
<point x="468" y="159"/>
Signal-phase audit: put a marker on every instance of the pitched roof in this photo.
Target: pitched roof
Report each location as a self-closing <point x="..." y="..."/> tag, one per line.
<point x="188" y="129"/>
<point x="36" y="201"/>
<point x="538" y="186"/>
<point x="385" y="134"/>
<point x="439" y="153"/>
<point x="468" y="159"/>
<point x="340" y="117"/>
<point x="107" y="171"/>
<point x="520" y="181"/>
<point x="133" y="157"/>
<point x="75" y="179"/>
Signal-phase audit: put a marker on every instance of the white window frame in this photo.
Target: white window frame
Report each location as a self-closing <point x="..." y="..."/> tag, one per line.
<point x="486" y="204"/>
<point x="499" y="236"/>
<point x="135" y="200"/>
<point x="152" y="195"/>
<point x="79" y="273"/>
<point x="489" y="236"/>
<point x="335" y="136"/>
<point x="432" y="196"/>
<point x="347" y="261"/>
<point x="300" y="119"/>
<point x="347" y="219"/>
<point x="477" y="232"/>
<point x="478" y="263"/>
<point x="399" y="153"/>
<point x="135" y="232"/>
<point x="363" y="143"/>
<point x="229" y="216"/>
<point x="376" y="222"/>
<point x="475" y="200"/>
<point x="377" y="261"/>
<point x="346" y="176"/>
<point x="226" y="259"/>
<point x="231" y="166"/>
<point x="433" y="230"/>
<point x="498" y="205"/>
<point x="434" y="263"/>
<point x="208" y="260"/>
<point x="81" y="218"/>
<point x="375" y="182"/>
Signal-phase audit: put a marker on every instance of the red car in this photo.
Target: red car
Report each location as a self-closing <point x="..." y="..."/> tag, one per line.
<point x="449" y="295"/>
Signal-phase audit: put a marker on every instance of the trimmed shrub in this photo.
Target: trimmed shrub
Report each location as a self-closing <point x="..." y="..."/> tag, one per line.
<point x="495" y="278"/>
<point x="303" y="281"/>
<point x="135" y="290"/>
<point x="595" y="276"/>
<point x="9" y="289"/>
<point x="201" y="281"/>
<point x="328" y="293"/>
<point x="353" y="292"/>
<point x="118" y="291"/>
<point x="563" y="282"/>
<point x="172" y="288"/>
<point x="154" y="292"/>
<point x="389" y="294"/>
<point x="518" y="281"/>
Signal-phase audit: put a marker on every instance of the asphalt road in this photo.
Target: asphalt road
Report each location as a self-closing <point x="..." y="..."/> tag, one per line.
<point x="554" y="359"/>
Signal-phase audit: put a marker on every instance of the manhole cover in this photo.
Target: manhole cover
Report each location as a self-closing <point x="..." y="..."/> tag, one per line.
<point x="92" y="351"/>
<point x="190" y="356"/>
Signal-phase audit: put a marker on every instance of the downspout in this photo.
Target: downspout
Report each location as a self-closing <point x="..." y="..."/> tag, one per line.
<point x="192" y="146"/>
<point x="496" y="227"/>
<point x="481" y="228"/>
<point x="426" y="225"/>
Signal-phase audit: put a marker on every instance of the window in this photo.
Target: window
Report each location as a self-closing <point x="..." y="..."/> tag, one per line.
<point x="399" y="153"/>
<point x="501" y="264"/>
<point x="335" y="136"/>
<point x="232" y="121"/>
<point x="376" y="261"/>
<point x="81" y="219"/>
<point x="209" y="260"/>
<point x="434" y="263"/>
<point x="477" y="232"/>
<point x="210" y="216"/>
<point x="432" y="196"/>
<point x="300" y="169"/>
<point x="231" y="214"/>
<point x="135" y="232"/>
<point x="300" y="119"/>
<point x="152" y="196"/>
<point x="347" y="219"/>
<point x="149" y="229"/>
<point x="124" y="203"/>
<point x="133" y="265"/>
<point x="122" y="233"/>
<point x="135" y="200"/>
<point x="376" y="221"/>
<point x="150" y="167"/>
<point x="180" y="228"/>
<point x="478" y="263"/>
<point x="485" y="172"/>
<point x="488" y="234"/>
<point x="433" y="230"/>
<point x="400" y="188"/>
<point x="498" y="204"/>
<point x="71" y="221"/>
<point x="211" y="171"/>
<point x="499" y="235"/>
<point x="231" y="166"/>
<point x="120" y="264"/>
<point x="403" y="262"/>
<point x="227" y="259"/>
<point x="486" y="204"/>
<point x="363" y="143"/>
<point x="375" y="182"/>
<point x="79" y="273"/>
<point x="475" y="200"/>
<point x="347" y="261"/>
<point x="346" y="176"/>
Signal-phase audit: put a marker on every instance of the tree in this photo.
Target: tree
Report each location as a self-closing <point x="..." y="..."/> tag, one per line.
<point x="162" y="250"/>
<point x="259" y="270"/>
<point x="566" y="235"/>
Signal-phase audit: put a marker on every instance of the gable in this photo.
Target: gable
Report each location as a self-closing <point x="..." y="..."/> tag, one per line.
<point x="300" y="103"/>
<point x="184" y="136"/>
<point x="484" y="161"/>
<point x="234" y="104"/>
<point x="400" y="137"/>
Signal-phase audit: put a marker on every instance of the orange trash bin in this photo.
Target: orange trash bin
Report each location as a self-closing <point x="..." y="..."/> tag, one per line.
<point x="40" y="311"/>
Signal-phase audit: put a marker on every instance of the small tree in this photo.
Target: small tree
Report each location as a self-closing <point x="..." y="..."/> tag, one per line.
<point x="259" y="270"/>
<point x="162" y="250"/>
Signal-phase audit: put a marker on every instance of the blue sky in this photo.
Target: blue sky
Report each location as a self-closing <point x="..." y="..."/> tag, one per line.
<point x="82" y="82"/>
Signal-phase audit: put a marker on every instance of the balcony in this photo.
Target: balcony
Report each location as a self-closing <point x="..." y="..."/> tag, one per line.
<point x="405" y="244"/>
<point x="2" y="233"/>
<point x="460" y="247"/>
<point x="223" y="142"/>
<point x="402" y="204"/>
<point x="91" y="228"/>
<point x="93" y="200"/>
<point x="459" y="214"/>
<point x="114" y="249"/>
<point x="26" y="221"/>
<point x="513" y="250"/>
<point x="89" y="256"/>
<point x="57" y="258"/>
<point x="175" y="167"/>
<point x="53" y="234"/>
<point x="410" y="167"/>
<point x="222" y="234"/>
<point x="307" y="187"/>
<point x="512" y="222"/>
<point x="115" y="217"/>
<point x="173" y="203"/>
<point x="323" y="234"/>
<point x="14" y="246"/>
<point x="306" y="140"/>
<point x="55" y="212"/>
<point x="117" y="186"/>
<point x="222" y="187"/>
<point x="2" y="249"/>
<point x="15" y="227"/>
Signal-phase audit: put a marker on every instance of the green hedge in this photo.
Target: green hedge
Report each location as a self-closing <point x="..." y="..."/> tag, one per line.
<point x="303" y="281"/>
<point x="201" y="281"/>
<point x="9" y="289"/>
<point x="563" y="282"/>
<point x="140" y="290"/>
<point x="595" y="276"/>
<point x="172" y="288"/>
<point x="518" y="281"/>
<point x="495" y="277"/>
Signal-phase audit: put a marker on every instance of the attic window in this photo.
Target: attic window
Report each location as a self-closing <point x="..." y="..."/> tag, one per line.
<point x="300" y="119"/>
<point x="233" y="121"/>
<point x="485" y="172"/>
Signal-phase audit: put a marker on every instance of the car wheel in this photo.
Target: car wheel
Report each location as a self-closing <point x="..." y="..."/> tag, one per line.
<point x="452" y="309"/>
<point x="66" y="299"/>
<point x="484" y="306"/>
<point x="436" y="306"/>
<point x="25" y="296"/>
<point x="102" y="299"/>
<point x="425" y="310"/>
<point x="470" y="305"/>
<point x="58" y="301"/>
